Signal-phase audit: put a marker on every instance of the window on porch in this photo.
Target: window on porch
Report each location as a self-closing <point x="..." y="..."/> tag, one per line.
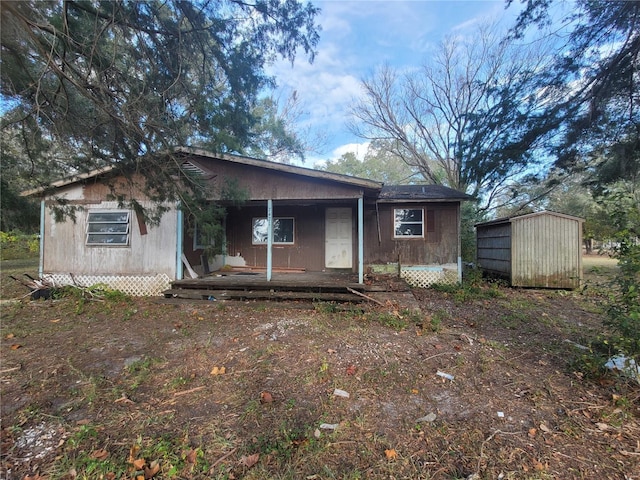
<point x="283" y="230"/>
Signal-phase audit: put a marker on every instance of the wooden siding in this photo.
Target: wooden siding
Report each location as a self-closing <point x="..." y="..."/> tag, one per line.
<point x="265" y="184"/>
<point x="151" y="253"/>
<point x="541" y="250"/>
<point x="307" y="251"/>
<point x="438" y="247"/>
<point x="494" y="249"/>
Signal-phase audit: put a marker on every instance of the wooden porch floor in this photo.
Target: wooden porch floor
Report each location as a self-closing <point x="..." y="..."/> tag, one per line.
<point x="287" y="286"/>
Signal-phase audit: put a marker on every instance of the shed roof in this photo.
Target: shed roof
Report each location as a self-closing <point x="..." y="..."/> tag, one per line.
<point x="516" y="218"/>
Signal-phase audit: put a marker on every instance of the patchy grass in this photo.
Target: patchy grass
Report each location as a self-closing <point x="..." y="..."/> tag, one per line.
<point x="127" y="387"/>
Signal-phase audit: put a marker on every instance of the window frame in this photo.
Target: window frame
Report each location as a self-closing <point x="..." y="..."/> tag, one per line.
<point x="422" y="223"/>
<point x="198" y="245"/>
<point x="92" y="235"/>
<point x="293" y="231"/>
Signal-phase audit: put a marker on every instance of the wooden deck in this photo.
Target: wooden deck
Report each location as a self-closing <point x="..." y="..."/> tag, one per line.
<point x="339" y="287"/>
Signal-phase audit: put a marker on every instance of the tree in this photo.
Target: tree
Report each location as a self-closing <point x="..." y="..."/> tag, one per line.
<point x="462" y="118"/>
<point x="378" y="164"/>
<point x="592" y="97"/>
<point x="121" y="83"/>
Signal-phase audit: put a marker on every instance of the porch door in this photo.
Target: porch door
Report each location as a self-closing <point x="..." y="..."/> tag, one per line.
<point x="338" y="249"/>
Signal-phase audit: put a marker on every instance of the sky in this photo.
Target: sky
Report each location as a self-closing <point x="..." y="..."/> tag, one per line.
<point x="359" y="36"/>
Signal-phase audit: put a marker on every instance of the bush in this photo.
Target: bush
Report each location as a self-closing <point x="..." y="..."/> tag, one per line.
<point x="18" y="246"/>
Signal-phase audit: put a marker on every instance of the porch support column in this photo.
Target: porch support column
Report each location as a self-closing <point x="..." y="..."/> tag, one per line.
<point x="269" y="238"/>
<point x="42" y="220"/>
<point x="361" y="240"/>
<point x="179" y="241"/>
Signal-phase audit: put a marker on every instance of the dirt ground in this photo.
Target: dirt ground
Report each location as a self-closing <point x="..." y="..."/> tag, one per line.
<point x="486" y="383"/>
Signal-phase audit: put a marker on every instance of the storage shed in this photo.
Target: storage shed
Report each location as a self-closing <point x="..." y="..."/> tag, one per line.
<point x="540" y="250"/>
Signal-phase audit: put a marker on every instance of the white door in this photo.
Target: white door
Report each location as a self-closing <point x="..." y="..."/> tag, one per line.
<point x="338" y="242"/>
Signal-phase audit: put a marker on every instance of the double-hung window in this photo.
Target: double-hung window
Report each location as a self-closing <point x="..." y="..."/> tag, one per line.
<point x="283" y="231"/>
<point x="108" y="228"/>
<point x="408" y="223"/>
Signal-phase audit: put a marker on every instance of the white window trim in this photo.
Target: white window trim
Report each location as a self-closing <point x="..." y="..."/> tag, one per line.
<point x="292" y="242"/>
<point x="422" y="222"/>
<point x="126" y="222"/>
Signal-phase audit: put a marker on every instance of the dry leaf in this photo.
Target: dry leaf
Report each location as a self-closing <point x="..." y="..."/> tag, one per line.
<point x="218" y="371"/>
<point x="603" y="426"/>
<point x="532" y="432"/>
<point x="331" y="350"/>
<point x="538" y="466"/>
<point x="414" y="391"/>
<point x="133" y="453"/>
<point x="151" y="470"/>
<point x="100" y="454"/>
<point x="55" y="321"/>
<point x="9" y="335"/>
<point x="544" y="428"/>
<point x="191" y="456"/>
<point x="351" y="370"/>
<point x="391" y="454"/>
<point x="16" y="346"/>
<point x="110" y="476"/>
<point x="139" y="463"/>
<point x="266" y="397"/>
<point x="250" y="461"/>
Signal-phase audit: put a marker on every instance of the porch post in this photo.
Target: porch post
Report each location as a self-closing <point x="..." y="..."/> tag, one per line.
<point x="269" y="238"/>
<point x="361" y="240"/>
<point x="41" y="255"/>
<point x="179" y="242"/>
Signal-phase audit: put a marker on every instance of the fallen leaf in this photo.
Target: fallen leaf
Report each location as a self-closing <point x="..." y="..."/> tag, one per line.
<point x="9" y="335"/>
<point x="139" y="463"/>
<point x="151" y="470"/>
<point x="250" y="460"/>
<point x="351" y="370"/>
<point x="532" y="432"/>
<point x="538" y="466"/>
<point x="544" y="428"/>
<point x="603" y="426"/>
<point x="414" y="391"/>
<point x="55" y="321"/>
<point x="391" y="454"/>
<point x="191" y="456"/>
<point x="331" y="350"/>
<point x="110" y="476"/>
<point x="218" y="371"/>
<point x="100" y="454"/>
<point x="266" y="397"/>
<point x="16" y="346"/>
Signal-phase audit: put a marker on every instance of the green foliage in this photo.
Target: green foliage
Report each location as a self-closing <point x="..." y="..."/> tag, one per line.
<point x="126" y="82"/>
<point x="18" y="246"/>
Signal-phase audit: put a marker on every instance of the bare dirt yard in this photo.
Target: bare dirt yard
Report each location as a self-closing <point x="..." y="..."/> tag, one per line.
<point x="487" y="382"/>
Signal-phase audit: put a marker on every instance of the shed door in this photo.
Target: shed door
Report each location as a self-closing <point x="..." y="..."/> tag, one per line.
<point x="338" y="242"/>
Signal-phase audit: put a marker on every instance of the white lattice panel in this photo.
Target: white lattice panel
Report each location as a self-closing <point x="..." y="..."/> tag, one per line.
<point x="424" y="278"/>
<point x="134" y="285"/>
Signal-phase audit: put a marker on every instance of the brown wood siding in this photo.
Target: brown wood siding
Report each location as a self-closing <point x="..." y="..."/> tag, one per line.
<point x="440" y="245"/>
<point x="307" y="252"/>
<point x="264" y="184"/>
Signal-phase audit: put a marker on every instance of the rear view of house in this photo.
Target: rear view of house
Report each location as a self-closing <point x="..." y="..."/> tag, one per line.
<point x="294" y="219"/>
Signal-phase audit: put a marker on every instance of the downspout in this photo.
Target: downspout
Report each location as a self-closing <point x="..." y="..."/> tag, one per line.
<point x="179" y="243"/>
<point x="269" y="238"/>
<point x="41" y="255"/>
<point x="361" y="240"/>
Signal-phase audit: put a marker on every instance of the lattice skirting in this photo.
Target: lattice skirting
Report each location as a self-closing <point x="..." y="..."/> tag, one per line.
<point x="134" y="285"/>
<point x="423" y="276"/>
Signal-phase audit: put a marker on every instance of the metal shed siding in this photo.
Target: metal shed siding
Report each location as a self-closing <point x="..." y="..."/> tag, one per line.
<point x="546" y="252"/>
<point x="541" y="250"/>
<point x="494" y="248"/>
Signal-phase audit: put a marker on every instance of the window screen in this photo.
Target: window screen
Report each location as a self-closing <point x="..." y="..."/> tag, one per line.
<point x="108" y="228"/>
<point x="408" y="223"/>
<point x="283" y="228"/>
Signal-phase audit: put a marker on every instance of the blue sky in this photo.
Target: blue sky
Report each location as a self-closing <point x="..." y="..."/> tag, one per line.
<point x="357" y="37"/>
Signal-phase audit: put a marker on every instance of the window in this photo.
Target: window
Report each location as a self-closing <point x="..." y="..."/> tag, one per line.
<point x="408" y="223"/>
<point x="108" y="228"/>
<point x="201" y="240"/>
<point x="282" y="230"/>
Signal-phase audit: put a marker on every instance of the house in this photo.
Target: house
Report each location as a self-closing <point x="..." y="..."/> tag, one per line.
<point x="542" y="249"/>
<point x="295" y="219"/>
